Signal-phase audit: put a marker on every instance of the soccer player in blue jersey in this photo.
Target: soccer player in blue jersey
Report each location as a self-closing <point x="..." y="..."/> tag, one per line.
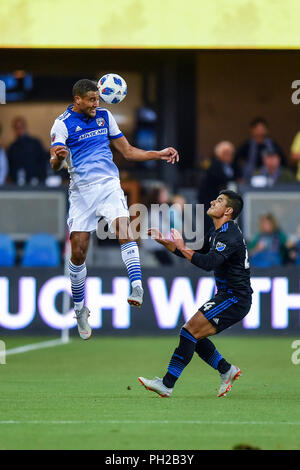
<point x="224" y="251"/>
<point x="81" y="137"/>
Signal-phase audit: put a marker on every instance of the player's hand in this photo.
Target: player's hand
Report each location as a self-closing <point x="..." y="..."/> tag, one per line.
<point x="61" y="152"/>
<point x="177" y="239"/>
<point x="156" y="235"/>
<point x="169" y="154"/>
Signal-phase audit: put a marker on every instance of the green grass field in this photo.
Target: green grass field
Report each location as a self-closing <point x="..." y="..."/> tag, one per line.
<point x="85" y="395"/>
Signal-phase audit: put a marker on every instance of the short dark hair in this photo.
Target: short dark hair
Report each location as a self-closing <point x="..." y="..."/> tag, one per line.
<point x="83" y="86"/>
<point x="258" y="120"/>
<point x="235" y="201"/>
<point x="267" y="153"/>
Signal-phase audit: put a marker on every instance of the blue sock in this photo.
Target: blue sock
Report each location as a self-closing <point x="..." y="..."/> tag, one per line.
<point x="131" y="258"/>
<point x="208" y="352"/>
<point x="181" y="357"/>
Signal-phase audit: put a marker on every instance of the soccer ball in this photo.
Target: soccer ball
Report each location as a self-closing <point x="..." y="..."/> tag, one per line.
<point x="112" y="88"/>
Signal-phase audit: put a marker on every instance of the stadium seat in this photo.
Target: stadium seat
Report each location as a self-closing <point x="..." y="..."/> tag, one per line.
<point x="41" y="250"/>
<point x="7" y="251"/>
<point x="265" y="259"/>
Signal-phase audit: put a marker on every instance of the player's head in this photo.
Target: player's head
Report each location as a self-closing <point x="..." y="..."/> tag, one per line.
<point x="228" y="204"/>
<point x="86" y="97"/>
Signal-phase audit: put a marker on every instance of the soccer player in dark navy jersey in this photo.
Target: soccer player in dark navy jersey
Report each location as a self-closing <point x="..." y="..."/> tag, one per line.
<point x="224" y="251"/>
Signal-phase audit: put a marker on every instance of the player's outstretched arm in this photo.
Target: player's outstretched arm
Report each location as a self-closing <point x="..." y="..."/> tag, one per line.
<point x="134" y="154"/>
<point x="159" y="238"/>
<point x="180" y="245"/>
<point x="208" y="262"/>
<point x="58" y="154"/>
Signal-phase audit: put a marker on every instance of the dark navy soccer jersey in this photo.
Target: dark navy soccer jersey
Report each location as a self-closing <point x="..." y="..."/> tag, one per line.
<point x="225" y="252"/>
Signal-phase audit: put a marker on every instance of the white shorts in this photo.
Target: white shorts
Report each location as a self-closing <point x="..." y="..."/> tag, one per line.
<point x="93" y="201"/>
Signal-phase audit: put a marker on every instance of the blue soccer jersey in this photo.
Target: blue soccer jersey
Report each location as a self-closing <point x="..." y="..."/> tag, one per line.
<point x="87" y="139"/>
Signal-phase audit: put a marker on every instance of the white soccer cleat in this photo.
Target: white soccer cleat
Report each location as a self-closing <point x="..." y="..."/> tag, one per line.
<point x="156" y="385"/>
<point x="227" y="380"/>
<point x="136" y="297"/>
<point x="84" y="329"/>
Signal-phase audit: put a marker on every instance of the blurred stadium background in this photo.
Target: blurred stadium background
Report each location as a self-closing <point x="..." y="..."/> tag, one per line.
<point x="216" y="80"/>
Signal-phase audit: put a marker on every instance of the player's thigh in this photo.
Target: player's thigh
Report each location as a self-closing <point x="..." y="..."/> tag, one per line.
<point x="82" y="209"/>
<point x="121" y="227"/>
<point x="199" y="326"/>
<point x="115" y="211"/>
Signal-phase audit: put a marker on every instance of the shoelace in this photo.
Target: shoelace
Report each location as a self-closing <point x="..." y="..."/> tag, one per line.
<point x="78" y="317"/>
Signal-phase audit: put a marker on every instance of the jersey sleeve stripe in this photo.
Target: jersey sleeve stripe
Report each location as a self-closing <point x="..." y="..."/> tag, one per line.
<point x="116" y="136"/>
<point x="58" y="143"/>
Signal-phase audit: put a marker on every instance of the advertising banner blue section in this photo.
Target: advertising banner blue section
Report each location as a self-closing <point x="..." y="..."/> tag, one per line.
<point x="31" y="301"/>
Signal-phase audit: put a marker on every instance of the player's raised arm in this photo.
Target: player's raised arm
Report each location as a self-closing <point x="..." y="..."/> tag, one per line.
<point x="58" y="150"/>
<point x="134" y="154"/>
<point x="209" y="261"/>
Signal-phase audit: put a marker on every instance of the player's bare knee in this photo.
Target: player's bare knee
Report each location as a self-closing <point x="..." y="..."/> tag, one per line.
<point x="78" y="254"/>
<point x="122" y="229"/>
<point x="199" y="326"/>
<point x="191" y="327"/>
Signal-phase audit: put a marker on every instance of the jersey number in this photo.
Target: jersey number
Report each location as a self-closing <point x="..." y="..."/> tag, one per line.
<point x="247" y="264"/>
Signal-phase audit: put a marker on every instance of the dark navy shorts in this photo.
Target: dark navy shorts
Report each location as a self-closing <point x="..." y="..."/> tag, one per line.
<point x="224" y="310"/>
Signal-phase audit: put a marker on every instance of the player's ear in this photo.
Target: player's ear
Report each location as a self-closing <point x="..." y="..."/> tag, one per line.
<point x="229" y="211"/>
<point x="77" y="99"/>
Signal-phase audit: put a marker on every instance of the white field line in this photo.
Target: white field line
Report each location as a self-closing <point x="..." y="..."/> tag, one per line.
<point x="225" y="423"/>
<point x="32" y="347"/>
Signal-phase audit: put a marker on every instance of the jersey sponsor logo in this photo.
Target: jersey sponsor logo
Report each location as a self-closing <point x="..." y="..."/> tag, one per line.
<point x="78" y="129"/>
<point x="88" y="135"/>
<point x="220" y="246"/>
<point x="100" y="122"/>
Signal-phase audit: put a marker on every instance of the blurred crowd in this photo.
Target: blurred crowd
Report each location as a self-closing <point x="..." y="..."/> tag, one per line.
<point x="259" y="162"/>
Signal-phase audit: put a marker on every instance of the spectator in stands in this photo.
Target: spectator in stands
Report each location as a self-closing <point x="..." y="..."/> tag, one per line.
<point x="272" y="172"/>
<point x="295" y="154"/>
<point x="176" y="212"/>
<point x="27" y="159"/>
<point x="3" y="162"/>
<point x="162" y="219"/>
<point x="269" y="246"/>
<point x="293" y="246"/>
<point x="218" y="175"/>
<point x="248" y="156"/>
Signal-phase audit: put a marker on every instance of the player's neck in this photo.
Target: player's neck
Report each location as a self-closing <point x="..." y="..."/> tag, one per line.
<point x="219" y="222"/>
<point x="76" y="110"/>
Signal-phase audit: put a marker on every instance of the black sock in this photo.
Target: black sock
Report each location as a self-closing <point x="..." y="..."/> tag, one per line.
<point x="181" y="357"/>
<point x="208" y="352"/>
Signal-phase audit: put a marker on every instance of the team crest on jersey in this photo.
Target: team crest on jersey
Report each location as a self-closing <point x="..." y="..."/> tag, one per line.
<point x="220" y="246"/>
<point x="100" y="122"/>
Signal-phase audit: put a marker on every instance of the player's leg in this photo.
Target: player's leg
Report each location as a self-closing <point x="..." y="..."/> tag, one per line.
<point x="78" y="273"/>
<point x="223" y="311"/>
<point x="196" y="328"/>
<point x="131" y="258"/>
<point x="114" y="209"/>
